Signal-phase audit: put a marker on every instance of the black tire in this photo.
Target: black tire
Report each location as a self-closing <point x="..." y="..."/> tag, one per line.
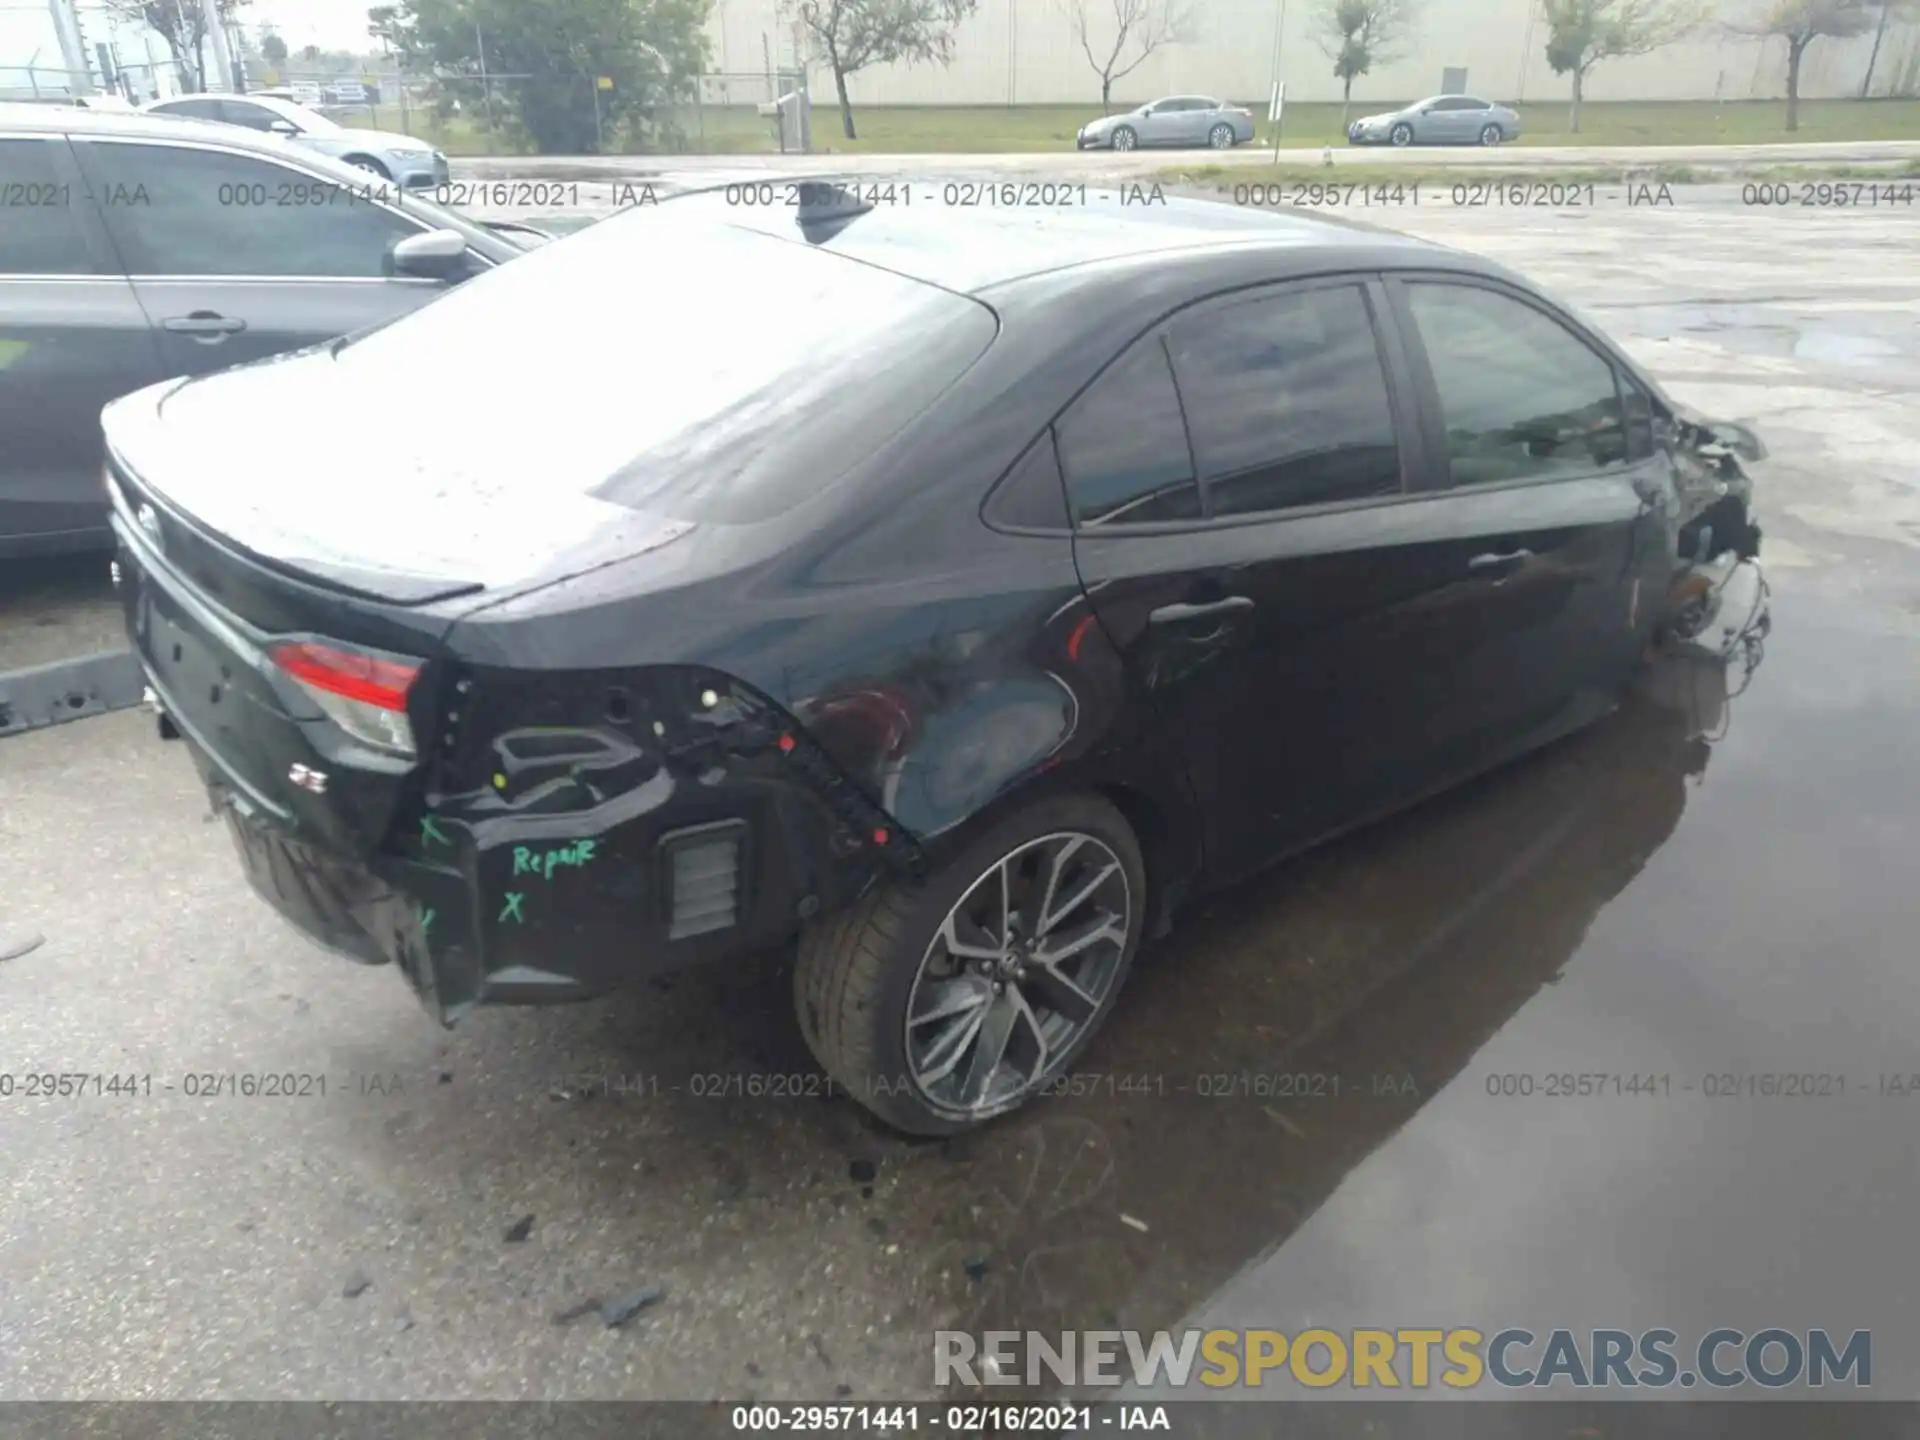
<point x="1402" y="135"/>
<point x="857" y="968"/>
<point x="1491" y="135"/>
<point x="1221" y="137"/>
<point x="369" y="164"/>
<point x="1124" y="138"/>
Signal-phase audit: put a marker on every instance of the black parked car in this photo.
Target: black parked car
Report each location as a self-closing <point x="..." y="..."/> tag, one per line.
<point x="955" y="593"/>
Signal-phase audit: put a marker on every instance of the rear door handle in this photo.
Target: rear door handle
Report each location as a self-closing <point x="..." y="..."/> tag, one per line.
<point x="1509" y="560"/>
<point x="1175" y="614"/>
<point x="205" y="325"/>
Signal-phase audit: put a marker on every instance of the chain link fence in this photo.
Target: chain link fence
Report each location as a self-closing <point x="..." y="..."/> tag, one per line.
<point x="491" y="113"/>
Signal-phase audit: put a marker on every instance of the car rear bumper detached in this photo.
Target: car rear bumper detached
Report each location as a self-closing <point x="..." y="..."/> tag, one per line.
<point x="582" y="864"/>
<point x="488" y="910"/>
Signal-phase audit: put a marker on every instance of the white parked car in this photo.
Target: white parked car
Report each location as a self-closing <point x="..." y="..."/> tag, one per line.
<point x="399" y="158"/>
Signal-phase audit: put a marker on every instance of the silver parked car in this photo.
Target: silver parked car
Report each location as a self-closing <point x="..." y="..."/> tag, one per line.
<point x="134" y="249"/>
<point x="399" y="158"/>
<point x="1190" y="120"/>
<point x="1439" y="120"/>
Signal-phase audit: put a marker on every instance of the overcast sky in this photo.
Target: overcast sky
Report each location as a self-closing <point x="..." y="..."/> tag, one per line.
<point x="330" y="24"/>
<point x="25" y="27"/>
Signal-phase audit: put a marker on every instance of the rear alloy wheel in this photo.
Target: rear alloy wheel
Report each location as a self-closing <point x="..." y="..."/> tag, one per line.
<point x="1491" y="135"/>
<point x="1124" y="138"/>
<point x="1402" y="135"/>
<point x="1221" y="137"/>
<point x="943" y="1004"/>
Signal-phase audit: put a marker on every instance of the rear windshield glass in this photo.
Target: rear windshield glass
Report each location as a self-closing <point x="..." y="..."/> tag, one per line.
<point x="668" y="362"/>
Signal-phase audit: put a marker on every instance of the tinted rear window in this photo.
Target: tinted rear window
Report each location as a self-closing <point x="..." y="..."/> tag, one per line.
<point x="39" y="223"/>
<point x="675" y="364"/>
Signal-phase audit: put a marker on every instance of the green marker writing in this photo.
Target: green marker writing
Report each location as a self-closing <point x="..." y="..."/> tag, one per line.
<point x="528" y="861"/>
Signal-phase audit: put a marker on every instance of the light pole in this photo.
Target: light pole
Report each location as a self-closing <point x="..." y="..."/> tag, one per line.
<point x="73" y="50"/>
<point x="1279" y="24"/>
<point x="216" y="31"/>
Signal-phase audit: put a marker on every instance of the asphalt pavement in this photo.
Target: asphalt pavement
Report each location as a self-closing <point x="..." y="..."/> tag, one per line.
<point x="1705" y="893"/>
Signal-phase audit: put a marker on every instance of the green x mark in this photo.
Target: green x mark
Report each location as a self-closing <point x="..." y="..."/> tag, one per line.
<point x="512" y="911"/>
<point x="430" y="831"/>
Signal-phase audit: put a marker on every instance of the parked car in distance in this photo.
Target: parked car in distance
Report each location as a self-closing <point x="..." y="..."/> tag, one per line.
<point x="1189" y="120"/>
<point x="399" y="158"/>
<point x="136" y="248"/>
<point x="1012" y="587"/>
<point x="345" y="92"/>
<point x="1439" y="120"/>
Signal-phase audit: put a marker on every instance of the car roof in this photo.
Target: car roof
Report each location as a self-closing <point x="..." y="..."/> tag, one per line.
<point x="279" y="104"/>
<point x="137" y="123"/>
<point x="970" y="248"/>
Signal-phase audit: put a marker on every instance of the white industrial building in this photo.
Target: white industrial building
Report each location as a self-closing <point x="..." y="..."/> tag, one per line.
<point x="1023" y="52"/>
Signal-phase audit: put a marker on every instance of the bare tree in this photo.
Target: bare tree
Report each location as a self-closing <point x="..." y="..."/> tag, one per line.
<point x="1800" y="23"/>
<point x="1582" y="33"/>
<point x="1140" y="27"/>
<point x="1359" y="34"/>
<point x="182" y="24"/>
<point x="1888" y="10"/>
<point x="850" y="35"/>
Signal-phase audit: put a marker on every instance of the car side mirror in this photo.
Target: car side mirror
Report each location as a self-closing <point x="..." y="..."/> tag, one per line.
<point x="284" y="127"/>
<point x="431" y="255"/>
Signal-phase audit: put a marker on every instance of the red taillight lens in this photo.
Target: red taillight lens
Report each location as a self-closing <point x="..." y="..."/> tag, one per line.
<point x="366" y="695"/>
<point x="366" y="678"/>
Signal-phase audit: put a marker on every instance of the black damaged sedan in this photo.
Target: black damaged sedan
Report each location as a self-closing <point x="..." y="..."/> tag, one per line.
<point x="953" y="593"/>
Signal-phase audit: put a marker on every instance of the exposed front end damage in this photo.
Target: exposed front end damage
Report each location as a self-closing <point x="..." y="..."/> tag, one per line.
<point x="1715" y="492"/>
<point x="1717" y="608"/>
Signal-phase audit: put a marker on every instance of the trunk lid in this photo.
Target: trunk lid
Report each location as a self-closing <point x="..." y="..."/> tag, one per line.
<point x="204" y="619"/>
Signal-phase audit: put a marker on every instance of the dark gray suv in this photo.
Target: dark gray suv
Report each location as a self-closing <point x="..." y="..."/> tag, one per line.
<point x="135" y="248"/>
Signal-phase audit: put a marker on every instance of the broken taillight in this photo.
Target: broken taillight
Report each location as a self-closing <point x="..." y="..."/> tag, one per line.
<point x="363" y="693"/>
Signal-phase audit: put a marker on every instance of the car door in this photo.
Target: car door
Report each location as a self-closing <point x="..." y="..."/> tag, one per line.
<point x="1196" y="119"/>
<point x="235" y="256"/>
<point x="1469" y="118"/>
<point x="72" y="337"/>
<point x="253" y="117"/>
<point x="1160" y="124"/>
<point x="1179" y="122"/>
<point x="1272" y="580"/>
<point x="1555" y="499"/>
<point x="1441" y="123"/>
<point x="1207" y="113"/>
